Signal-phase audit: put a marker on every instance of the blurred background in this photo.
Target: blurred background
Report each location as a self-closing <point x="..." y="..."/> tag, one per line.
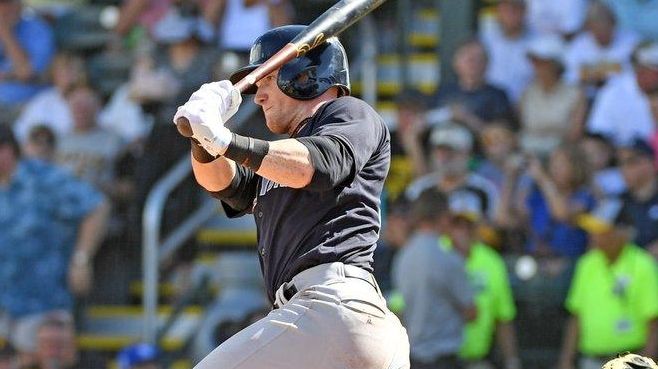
<point x="528" y="113"/>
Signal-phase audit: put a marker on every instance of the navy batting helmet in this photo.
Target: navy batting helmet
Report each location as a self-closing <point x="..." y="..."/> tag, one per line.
<point x="305" y="77"/>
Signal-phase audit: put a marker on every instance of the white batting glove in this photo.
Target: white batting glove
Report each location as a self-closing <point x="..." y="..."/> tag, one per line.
<point x="207" y="111"/>
<point x="227" y="97"/>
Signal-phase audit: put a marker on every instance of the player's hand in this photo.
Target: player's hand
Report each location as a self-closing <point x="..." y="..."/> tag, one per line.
<point x="222" y="96"/>
<point x="206" y="111"/>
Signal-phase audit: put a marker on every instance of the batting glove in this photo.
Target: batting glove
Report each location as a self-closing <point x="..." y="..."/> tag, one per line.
<point x="630" y="361"/>
<point x="207" y="111"/>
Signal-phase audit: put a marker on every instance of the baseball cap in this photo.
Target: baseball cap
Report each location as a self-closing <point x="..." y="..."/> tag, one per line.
<point x="547" y="47"/>
<point x="137" y="354"/>
<point x="647" y="55"/>
<point x="640" y="147"/>
<point x="604" y="217"/>
<point x="452" y="135"/>
<point x="465" y="205"/>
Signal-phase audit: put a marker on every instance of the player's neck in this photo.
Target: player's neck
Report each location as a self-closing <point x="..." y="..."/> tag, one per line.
<point x="310" y="108"/>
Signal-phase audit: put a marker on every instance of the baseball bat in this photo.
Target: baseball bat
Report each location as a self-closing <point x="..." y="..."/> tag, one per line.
<point x="331" y="23"/>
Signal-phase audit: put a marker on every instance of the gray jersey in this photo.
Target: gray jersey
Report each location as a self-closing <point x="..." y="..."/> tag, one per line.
<point x="435" y="288"/>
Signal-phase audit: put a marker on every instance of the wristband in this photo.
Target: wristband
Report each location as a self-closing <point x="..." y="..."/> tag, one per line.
<point x="246" y="151"/>
<point x="199" y="153"/>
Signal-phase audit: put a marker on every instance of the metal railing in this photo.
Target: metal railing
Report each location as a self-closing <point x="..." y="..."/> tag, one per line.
<point x="156" y="251"/>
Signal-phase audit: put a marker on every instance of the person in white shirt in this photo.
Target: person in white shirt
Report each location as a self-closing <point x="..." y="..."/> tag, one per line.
<point x="50" y="107"/>
<point x="506" y="41"/>
<point x="563" y="17"/>
<point x="601" y="51"/>
<point x="622" y="110"/>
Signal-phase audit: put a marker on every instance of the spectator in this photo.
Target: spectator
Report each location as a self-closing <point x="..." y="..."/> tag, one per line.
<point x="632" y="118"/>
<point x="240" y="22"/>
<point x="493" y="296"/>
<point x="56" y="344"/>
<point x="653" y="103"/>
<point x="408" y="139"/>
<point x="599" y="52"/>
<point x="145" y="15"/>
<point x="472" y="101"/>
<point x="41" y="144"/>
<point x="506" y="42"/>
<point x="140" y="356"/>
<point x="433" y="283"/>
<point x="90" y="152"/>
<point x="549" y="205"/>
<point x="452" y="145"/>
<point x="552" y="111"/>
<point x="607" y="180"/>
<point x="52" y="226"/>
<point x="26" y="49"/>
<point x="561" y="17"/>
<point x="8" y="357"/>
<point x="637" y="16"/>
<point x="613" y="298"/>
<point x="50" y="107"/>
<point x="638" y="167"/>
<point x="498" y="143"/>
<point x="165" y="79"/>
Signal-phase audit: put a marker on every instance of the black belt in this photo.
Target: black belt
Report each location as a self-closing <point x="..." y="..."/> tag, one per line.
<point x="356" y="273"/>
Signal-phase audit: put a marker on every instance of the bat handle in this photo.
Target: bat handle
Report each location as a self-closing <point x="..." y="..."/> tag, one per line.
<point x="183" y="126"/>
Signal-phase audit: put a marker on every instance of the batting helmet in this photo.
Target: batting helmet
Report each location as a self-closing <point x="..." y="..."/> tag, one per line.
<point x="304" y="77"/>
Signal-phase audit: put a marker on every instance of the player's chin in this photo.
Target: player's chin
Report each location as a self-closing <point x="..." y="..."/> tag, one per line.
<point x="275" y="127"/>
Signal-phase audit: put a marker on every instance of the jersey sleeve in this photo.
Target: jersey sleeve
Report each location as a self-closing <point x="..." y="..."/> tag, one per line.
<point x="238" y="198"/>
<point x="358" y="129"/>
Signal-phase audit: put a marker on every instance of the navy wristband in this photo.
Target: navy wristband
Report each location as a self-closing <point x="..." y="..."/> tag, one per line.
<point x="246" y="151"/>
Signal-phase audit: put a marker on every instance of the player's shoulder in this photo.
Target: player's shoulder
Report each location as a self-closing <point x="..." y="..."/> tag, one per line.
<point x="351" y="107"/>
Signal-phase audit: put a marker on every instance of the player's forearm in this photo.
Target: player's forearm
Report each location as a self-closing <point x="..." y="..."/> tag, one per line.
<point x="215" y="175"/>
<point x="288" y="162"/>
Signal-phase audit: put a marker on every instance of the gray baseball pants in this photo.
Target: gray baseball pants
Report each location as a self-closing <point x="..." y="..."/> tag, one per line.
<point x="332" y="322"/>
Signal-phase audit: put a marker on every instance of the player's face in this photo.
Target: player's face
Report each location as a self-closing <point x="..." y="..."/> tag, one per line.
<point x="281" y="111"/>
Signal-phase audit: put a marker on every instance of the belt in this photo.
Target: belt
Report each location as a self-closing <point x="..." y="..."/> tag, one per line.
<point x="320" y="272"/>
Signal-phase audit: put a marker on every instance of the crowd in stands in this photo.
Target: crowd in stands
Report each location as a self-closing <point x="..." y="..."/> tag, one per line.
<point x="545" y="145"/>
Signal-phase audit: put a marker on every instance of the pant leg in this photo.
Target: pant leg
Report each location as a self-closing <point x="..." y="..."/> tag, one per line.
<point x="317" y="330"/>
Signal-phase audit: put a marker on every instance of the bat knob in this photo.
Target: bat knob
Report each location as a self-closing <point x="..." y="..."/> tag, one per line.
<point x="184" y="127"/>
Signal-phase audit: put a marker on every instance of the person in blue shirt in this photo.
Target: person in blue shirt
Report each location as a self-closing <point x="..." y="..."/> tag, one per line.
<point x="51" y="225"/>
<point x="27" y="47"/>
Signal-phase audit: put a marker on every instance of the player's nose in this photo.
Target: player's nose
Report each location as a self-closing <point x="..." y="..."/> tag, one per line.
<point x="261" y="97"/>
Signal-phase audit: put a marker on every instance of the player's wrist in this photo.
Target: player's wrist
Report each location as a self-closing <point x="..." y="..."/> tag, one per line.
<point x="200" y="154"/>
<point x="247" y="151"/>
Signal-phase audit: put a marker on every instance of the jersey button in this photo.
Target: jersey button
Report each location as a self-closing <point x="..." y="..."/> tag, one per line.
<point x="262" y="252"/>
<point x="260" y="214"/>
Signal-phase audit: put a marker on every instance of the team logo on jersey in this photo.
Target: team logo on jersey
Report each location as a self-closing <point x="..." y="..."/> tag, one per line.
<point x="266" y="186"/>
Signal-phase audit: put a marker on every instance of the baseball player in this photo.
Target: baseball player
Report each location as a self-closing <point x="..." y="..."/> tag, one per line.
<point x="315" y="198"/>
